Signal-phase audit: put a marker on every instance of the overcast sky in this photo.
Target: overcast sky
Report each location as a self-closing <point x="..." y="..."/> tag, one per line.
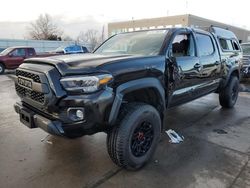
<point x="79" y="15"/>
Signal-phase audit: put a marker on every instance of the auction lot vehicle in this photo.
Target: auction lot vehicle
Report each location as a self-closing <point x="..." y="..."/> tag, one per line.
<point x="246" y="60"/>
<point x="72" y="49"/>
<point x="125" y="86"/>
<point x="12" y="57"/>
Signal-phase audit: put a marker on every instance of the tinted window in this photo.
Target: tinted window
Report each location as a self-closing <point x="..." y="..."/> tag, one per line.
<point x="73" y="49"/>
<point x="236" y="45"/>
<point x="230" y="45"/>
<point x="20" y="52"/>
<point x="226" y="44"/>
<point x="85" y="50"/>
<point x="205" y="44"/>
<point x="183" y="45"/>
<point x="31" y="52"/>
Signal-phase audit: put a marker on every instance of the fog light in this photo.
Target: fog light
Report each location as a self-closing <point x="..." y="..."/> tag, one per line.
<point x="76" y="114"/>
<point x="79" y="114"/>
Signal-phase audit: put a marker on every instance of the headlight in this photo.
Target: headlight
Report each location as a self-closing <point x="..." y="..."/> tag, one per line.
<point x="86" y="84"/>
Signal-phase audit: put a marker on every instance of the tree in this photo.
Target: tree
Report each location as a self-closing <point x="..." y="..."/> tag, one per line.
<point x="91" y="36"/>
<point x="44" y="28"/>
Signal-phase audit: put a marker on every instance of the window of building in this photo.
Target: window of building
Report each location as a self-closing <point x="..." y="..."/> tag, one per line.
<point x="205" y="44"/>
<point x="183" y="45"/>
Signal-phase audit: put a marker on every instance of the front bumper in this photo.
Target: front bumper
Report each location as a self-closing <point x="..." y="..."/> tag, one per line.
<point x="96" y="108"/>
<point x="34" y="120"/>
<point x="45" y="104"/>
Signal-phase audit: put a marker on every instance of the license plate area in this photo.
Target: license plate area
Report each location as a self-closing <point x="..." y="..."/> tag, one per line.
<point x="27" y="118"/>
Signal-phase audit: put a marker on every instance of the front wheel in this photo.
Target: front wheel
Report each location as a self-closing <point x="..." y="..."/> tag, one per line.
<point x="228" y="96"/>
<point x="133" y="141"/>
<point x="2" y="68"/>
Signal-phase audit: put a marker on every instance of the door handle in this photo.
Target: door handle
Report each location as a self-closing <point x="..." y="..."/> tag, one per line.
<point x="197" y="66"/>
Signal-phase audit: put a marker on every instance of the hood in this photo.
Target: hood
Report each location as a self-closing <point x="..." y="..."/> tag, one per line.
<point x="80" y="63"/>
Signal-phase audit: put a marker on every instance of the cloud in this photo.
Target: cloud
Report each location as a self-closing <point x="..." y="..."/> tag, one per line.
<point x="13" y="30"/>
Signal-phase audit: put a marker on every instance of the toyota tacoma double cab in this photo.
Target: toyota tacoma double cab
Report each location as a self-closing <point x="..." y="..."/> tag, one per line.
<point x="126" y="85"/>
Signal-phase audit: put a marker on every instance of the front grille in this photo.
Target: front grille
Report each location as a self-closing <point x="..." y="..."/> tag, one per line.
<point x="27" y="93"/>
<point x="36" y="96"/>
<point x="32" y="76"/>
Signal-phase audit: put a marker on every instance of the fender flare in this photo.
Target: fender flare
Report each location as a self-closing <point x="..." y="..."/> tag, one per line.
<point x="133" y="86"/>
<point x="227" y="78"/>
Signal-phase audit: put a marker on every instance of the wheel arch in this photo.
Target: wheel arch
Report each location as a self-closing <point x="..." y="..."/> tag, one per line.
<point x="4" y="66"/>
<point x="2" y="63"/>
<point x="147" y="90"/>
<point x="234" y="71"/>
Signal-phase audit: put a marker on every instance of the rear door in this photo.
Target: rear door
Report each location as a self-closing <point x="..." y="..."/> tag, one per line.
<point x="210" y="62"/>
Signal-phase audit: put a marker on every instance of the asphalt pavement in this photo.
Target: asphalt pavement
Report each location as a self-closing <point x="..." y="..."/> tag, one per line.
<point x="215" y="152"/>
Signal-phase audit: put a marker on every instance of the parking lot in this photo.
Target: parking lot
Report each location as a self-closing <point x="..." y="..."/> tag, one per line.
<point x="215" y="152"/>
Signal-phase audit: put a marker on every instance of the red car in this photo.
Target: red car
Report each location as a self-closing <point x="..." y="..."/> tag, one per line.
<point x="12" y="57"/>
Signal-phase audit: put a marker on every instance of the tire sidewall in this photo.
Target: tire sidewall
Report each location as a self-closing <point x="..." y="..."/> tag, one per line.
<point x="137" y="118"/>
<point x="234" y="81"/>
<point x="2" y="68"/>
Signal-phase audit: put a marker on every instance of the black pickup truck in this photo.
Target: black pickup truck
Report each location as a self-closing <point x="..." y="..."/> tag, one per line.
<point x="126" y="85"/>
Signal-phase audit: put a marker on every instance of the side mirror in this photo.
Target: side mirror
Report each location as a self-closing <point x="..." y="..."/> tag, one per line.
<point x="10" y="55"/>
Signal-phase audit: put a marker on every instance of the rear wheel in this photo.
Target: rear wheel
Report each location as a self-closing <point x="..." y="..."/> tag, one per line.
<point x="133" y="141"/>
<point x="2" y="68"/>
<point x="228" y="96"/>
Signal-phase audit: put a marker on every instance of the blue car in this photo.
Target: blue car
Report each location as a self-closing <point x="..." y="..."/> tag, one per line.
<point x="72" y="49"/>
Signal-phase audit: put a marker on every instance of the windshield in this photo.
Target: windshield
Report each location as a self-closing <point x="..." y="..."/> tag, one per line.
<point x="246" y="49"/>
<point x="6" y="51"/>
<point x="136" y="43"/>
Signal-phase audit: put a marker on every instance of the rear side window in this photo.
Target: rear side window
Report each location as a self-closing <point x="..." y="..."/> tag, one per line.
<point x="31" y="52"/>
<point x="226" y="44"/>
<point x="236" y="45"/>
<point x="205" y="44"/>
<point x="229" y="44"/>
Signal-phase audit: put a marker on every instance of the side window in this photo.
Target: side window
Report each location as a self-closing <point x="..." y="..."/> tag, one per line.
<point x="31" y="52"/>
<point x="205" y="44"/>
<point x="226" y="44"/>
<point x="183" y="45"/>
<point x="20" y="52"/>
<point x="236" y="45"/>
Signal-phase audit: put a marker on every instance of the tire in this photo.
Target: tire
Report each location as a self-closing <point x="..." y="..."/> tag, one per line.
<point x="2" y="68"/>
<point x="133" y="141"/>
<point x="228" y="96"/>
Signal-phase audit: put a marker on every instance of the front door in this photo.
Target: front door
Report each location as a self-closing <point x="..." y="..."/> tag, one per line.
<point x="16" y="57"/>
<point x="186" y="68"/>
